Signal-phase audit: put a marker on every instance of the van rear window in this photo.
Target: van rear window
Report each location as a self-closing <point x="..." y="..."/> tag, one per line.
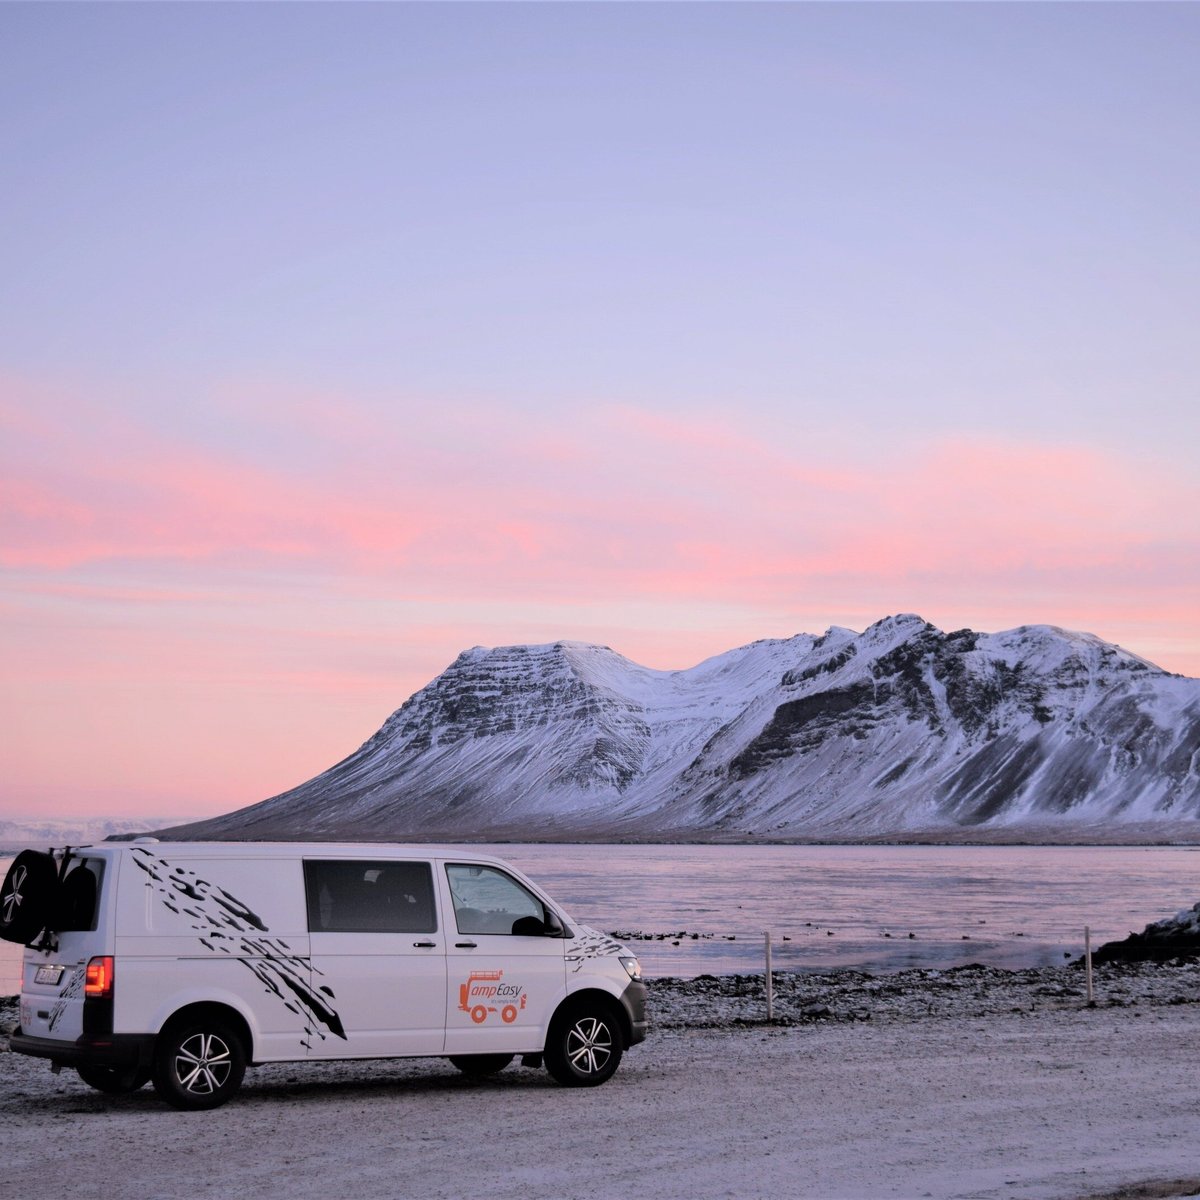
<point x="77" y="907"/>
<point x="356" y="896"/>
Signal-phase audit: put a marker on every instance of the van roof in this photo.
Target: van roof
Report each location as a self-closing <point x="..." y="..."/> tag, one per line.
<point x="311" y="849"/>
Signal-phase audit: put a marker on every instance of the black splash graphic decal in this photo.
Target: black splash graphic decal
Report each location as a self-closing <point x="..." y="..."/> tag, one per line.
<point x="227" y="926"/>
<point x="590" y="943"/>
<point x="70" y="992"/>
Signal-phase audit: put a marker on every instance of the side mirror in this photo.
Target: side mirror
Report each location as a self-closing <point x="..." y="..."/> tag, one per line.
<point x="533" y="927"/>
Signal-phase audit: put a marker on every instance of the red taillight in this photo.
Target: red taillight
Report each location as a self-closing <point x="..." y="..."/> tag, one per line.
<point x="99" y="979"/>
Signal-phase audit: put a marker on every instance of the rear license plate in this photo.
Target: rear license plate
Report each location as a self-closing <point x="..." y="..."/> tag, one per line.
<point x="50" y="975"/>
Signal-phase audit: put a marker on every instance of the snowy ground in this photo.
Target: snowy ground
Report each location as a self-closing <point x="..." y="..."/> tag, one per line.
<point x="968" y="1083"/>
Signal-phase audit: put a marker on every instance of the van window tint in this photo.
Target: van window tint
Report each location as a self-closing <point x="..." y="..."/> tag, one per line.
<point x="369" y="897"/>
<point x="489" y="901"/>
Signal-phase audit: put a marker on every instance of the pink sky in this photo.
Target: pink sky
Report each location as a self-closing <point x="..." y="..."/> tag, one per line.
<point x="339" y="339"/>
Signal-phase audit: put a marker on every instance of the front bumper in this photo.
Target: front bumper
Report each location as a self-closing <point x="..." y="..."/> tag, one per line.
<point x="115" y="1050"/>
<point x="633" y="998"/>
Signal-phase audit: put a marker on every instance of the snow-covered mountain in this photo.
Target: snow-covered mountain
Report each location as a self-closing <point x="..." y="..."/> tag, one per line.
<point x="899" y="729"/>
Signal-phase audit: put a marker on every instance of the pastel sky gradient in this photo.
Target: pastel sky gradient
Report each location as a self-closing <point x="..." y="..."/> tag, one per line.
<point x="337" y="339"/>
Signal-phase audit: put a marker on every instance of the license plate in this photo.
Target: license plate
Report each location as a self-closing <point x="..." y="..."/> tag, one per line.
<point x="50" y="975"/>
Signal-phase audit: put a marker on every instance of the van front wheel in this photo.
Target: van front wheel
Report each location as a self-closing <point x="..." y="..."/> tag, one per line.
<point x="198" y="1064"/>
<point x="584" y="1046"/>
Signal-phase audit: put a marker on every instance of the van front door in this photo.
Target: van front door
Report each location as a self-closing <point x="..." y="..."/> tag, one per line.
<point x="378" y="955"/>
<point x="506" y="971"/>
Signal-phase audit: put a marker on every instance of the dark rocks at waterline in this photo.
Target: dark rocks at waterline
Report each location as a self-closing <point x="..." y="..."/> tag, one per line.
<point x="1161" y="941"/>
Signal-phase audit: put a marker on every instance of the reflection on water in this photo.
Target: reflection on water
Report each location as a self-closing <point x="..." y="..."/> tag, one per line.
<point x="850" y="906"/>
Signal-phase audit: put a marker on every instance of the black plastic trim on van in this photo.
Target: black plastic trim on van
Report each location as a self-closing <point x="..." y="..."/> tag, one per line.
<point x="119" y="1050"/>
<point x="98" y="1017"/>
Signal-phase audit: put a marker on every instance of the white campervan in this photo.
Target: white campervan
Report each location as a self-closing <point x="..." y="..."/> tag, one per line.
<point x="184" y="962"/>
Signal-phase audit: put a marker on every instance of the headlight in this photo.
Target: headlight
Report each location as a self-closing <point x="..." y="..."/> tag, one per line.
<point x="632" y="967"/>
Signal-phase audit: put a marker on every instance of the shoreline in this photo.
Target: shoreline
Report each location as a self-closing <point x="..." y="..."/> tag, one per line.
<point x="1134" y="834"/>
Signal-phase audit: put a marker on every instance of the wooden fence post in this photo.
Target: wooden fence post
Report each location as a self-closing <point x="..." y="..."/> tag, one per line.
<point x="770" y="980"/>
<point x="1087" y="959"/>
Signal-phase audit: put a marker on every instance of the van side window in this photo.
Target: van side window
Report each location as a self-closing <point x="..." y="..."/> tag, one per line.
<point x="369" y="897"/>
<point x="489" y="901"/>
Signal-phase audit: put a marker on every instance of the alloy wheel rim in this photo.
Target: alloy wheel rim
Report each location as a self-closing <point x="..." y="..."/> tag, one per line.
<point x="203" y="1063"/>
<point x="589" y="1046"/>
<point x="13" y="899"/>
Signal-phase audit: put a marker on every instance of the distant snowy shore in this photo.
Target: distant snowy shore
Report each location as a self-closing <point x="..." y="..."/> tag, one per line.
<point x="17" y="833"/>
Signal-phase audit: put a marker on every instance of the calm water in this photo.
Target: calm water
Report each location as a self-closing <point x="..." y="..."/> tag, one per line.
<point x="1008" y="906"/>
<point x="856" y="905"/>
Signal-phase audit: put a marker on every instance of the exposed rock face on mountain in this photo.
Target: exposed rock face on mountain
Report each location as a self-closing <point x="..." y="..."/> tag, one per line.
<point x="899" y="729"/>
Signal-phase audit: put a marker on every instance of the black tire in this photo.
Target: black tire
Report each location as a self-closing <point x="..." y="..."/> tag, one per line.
<point x="29" y="897"/>
<point x="113" y="1080"/>
<point x="584" y="1045"/>
<point x="480" y="1066"/>
<point x="198" y="1064"/>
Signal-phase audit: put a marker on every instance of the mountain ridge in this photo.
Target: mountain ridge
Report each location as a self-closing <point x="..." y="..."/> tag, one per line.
<point x="898" y="730"/>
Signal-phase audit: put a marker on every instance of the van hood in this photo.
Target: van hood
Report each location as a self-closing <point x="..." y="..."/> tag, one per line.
<point x="591" y="943"/>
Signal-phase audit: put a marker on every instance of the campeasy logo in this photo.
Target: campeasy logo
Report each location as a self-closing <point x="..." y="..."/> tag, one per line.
<point x="485" y="993"/>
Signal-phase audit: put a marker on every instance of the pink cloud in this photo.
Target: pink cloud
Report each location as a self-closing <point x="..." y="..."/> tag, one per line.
<point x="629" y="502"/>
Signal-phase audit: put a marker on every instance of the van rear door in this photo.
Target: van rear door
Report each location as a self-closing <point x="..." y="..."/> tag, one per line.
<point x="54" y="976"/>
<point x="377" y="946"/>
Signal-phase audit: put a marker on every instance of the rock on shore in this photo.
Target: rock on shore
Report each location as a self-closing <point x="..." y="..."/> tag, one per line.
<point x="1172" y="937"/>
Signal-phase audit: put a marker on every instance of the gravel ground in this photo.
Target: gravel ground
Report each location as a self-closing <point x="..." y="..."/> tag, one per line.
<point x="972" y="1082"/>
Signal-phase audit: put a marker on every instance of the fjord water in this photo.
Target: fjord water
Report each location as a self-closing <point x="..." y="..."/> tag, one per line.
<point x="855" y="906"/>
<point x="850" y="906"/>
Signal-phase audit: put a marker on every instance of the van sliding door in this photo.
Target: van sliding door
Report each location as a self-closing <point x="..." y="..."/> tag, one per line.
<point x="378" y="953"/>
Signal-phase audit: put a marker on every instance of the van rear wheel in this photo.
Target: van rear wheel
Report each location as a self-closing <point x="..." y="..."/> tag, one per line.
<point x="198" y="1064"/>
<point x="114" y="1080"/>
<point x="584" y="1046"/>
